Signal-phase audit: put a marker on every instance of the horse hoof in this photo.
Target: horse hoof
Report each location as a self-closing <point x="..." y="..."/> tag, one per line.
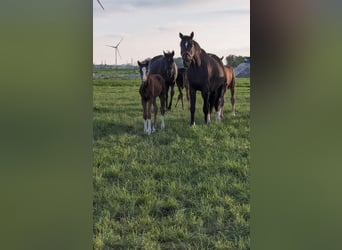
<point x="192" y="125"/>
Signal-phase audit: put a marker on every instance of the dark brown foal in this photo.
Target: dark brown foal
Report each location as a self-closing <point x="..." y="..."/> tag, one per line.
<point x="152" y="86"/>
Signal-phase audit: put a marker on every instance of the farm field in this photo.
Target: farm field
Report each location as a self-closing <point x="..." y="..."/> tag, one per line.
<point x="178" y="188"/>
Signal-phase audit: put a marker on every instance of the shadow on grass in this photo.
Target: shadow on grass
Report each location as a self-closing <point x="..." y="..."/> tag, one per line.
<point x="102" y="129"/>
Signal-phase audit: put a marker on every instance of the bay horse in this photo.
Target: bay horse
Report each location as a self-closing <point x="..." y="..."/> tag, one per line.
<point x="182" y="82"/>
<point x="165" y="66"/>
<point x="205" y="74"/>
<point x="230" y="84"/>
<point x="152" y="86"/>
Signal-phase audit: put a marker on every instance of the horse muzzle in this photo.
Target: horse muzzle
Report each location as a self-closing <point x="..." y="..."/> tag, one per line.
<point x="187" y="58"/>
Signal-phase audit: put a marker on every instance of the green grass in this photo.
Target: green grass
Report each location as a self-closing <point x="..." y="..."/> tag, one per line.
<point x="179" y="188"/>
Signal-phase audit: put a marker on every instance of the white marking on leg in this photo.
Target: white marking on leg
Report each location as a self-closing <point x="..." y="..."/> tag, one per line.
<point x="208" y="118"/>
<point x="218" y="115"/>
<point x="162" y="125"/>
<point x="149" y="126"/>
<point x="145" y="126"/>
<point x="233" y="113"/>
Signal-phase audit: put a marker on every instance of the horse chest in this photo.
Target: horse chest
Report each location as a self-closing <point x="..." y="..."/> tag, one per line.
<point x="197" y="78"/>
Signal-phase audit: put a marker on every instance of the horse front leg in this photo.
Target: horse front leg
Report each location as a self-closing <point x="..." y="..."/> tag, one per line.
<point x="220" y="103"/>
<point x="181" y="96"/>
<point x="232" y="97"/>
<point x="149" y="129"/>
<point x="171" y="97"/>
<point x="187" y="96"/>
<point x="192" y="106"/>
<point x="144" y="105"/>
<point x="162" y="111"/>
<point x="167" y="94"/>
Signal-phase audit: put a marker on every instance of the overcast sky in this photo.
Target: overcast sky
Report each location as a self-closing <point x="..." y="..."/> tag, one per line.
<point x="148" y="27"/>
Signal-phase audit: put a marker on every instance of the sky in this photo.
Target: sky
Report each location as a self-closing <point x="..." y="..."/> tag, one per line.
<point x="149" y="27"/>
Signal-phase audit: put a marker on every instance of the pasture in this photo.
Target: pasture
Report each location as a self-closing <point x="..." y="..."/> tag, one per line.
<point x="178" y="188"/>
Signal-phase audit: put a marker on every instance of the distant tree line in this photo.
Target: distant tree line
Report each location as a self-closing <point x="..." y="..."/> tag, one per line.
<point x="233" y="60"/>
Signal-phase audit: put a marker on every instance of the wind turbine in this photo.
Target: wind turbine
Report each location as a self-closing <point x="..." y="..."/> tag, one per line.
<point x="100" y="4"/>
<point x="116" y="50"/>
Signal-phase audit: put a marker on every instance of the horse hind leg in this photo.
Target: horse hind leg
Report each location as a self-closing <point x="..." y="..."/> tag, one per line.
<point x="206" y="105"/>
<point x="177" y="101"/>
<point x="180" y="97"/>
<point x="221" y="105"/>
<point x="167" y="95"/>
<point x="182" y="100"/>
<point x="232" y="99"/>
<point x="155" y="110"/>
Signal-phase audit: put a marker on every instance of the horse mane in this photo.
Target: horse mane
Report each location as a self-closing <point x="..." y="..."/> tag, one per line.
<point x="198" y="51"/>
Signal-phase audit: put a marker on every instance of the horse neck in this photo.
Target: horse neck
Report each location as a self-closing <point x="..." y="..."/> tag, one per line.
<point x="198" y="48"/>
<point x="199" y="52"/>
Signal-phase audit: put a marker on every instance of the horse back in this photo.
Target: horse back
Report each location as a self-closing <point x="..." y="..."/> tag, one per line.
<point x="215" y="66"/>
<point x="156" y="66"/>
<point x="230" y="76"/>
<point x="216" y="75"/>
<point x="156" y="84"/>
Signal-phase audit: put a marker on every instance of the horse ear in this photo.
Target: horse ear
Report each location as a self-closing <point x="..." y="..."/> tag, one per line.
<point x="180" y="35"/>
<point x="139" y="63"/>
<point x="173" y="53"/>
<point x="192" y="35"/>
<point x="164" y="53"/>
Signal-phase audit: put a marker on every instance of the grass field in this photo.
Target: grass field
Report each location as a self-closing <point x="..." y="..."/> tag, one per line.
<point x="179" y="188"/>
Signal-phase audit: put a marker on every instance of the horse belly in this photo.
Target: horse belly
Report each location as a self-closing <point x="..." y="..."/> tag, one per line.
<point x="196" y="85"/>
<point x="216" y="82"/>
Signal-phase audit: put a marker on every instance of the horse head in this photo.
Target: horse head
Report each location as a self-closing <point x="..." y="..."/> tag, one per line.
<point x="143" y="70"/>
<point x="168" y="63"/>
<point x="189" y="50"/>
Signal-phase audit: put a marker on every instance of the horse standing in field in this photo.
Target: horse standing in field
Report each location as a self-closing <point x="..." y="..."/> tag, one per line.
<point x="182" y="83"/>
<point x="230" y="84"/>
<point x="152" y="86"/>
<point x="165" y="66"/>
<point x="205" y="74"/>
